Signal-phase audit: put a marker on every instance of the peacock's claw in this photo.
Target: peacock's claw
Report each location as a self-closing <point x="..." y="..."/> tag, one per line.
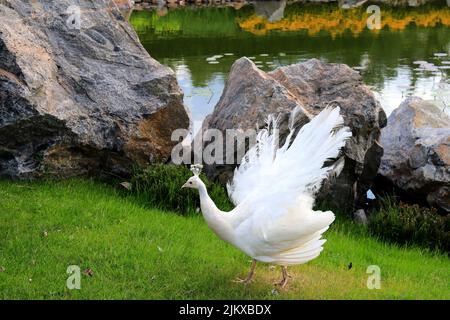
<point x="249" y="278"/>
<point x="281" y="283"/>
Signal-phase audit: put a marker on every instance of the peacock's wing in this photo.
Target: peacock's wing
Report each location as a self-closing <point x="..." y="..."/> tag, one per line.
<point x="278" y="207"/>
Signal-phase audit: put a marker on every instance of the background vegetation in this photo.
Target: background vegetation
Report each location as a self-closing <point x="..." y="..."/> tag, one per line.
<point x="410" y="224"/>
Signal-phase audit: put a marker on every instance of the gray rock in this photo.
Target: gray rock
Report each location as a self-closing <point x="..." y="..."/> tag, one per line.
<point x="80" y="100"/>
<point x="416" y="158"/>
<point x="273" y="11"/>
<point x="440" y="198"/>
<point x="348" y="4"/>
<point x="359" y="216"/>
<point x="251" y="94"/>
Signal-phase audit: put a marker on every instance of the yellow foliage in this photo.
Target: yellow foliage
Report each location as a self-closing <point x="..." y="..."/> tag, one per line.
<point x="337" y="21"/>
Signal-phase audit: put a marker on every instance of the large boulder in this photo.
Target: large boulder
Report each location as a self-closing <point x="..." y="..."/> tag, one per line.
<point x="79" y="93"/>
<point x="251" y="94"/>
<point x="416" y="160"/>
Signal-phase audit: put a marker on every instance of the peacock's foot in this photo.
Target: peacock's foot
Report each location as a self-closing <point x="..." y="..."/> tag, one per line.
<point x="282" y="283"/>
<point x="285" y="278"/>
<point x="250" y="275"/>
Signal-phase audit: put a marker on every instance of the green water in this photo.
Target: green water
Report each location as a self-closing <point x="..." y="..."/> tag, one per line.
<point x="201" y="44"/>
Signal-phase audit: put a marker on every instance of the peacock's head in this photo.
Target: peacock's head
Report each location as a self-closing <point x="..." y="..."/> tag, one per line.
<point x="194" y="182"/>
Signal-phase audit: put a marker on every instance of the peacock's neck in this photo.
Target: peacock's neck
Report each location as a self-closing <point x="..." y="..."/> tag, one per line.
<point x="215" y="218"/>
<point x="209" y="209"/>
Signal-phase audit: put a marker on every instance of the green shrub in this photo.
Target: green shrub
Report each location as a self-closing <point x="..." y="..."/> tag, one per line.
<point x="160" y="186"/>
<point x="411" y="224"/>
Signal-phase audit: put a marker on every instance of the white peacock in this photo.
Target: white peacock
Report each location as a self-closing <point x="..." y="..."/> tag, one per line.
<point x="274" y="191"/>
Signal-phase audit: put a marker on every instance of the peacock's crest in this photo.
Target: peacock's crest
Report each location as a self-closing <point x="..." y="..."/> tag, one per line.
<point x="196" y="169"/>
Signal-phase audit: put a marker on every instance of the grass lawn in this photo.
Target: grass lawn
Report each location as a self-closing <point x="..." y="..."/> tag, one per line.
<point x="137" y="253"/>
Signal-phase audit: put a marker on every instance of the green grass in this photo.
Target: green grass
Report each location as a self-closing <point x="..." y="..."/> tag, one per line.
<point x="137" y="253"/>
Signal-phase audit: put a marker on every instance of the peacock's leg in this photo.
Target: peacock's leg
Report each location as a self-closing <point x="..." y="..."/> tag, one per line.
<point x="285" y="278"/>
<point x="249" y="277"/>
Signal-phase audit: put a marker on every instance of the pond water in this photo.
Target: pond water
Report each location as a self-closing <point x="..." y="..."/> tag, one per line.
<point x="408" y="56"/>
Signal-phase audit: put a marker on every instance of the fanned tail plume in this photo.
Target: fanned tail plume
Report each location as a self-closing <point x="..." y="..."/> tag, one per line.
<point x="300" y="165"/>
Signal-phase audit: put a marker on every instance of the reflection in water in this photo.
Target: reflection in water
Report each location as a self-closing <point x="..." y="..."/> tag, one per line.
<point x="273" y="11"/>
<point x="335" y="20"/>
<point x="409" y="56"/>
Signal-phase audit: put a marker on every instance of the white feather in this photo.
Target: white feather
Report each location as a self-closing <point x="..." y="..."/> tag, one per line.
<point x="273" y="190"/>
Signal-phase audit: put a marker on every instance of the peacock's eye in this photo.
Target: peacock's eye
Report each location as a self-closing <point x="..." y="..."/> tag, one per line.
<point x="190" y="182"/>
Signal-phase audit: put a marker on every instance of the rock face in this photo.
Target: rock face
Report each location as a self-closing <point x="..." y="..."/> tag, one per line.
<point x="251" y="94"/>
<point x="78" y="92"/>
<point x="416" y="160"/>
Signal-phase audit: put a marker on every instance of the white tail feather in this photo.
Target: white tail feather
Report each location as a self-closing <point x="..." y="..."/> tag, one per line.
<point x="298" y="164"/>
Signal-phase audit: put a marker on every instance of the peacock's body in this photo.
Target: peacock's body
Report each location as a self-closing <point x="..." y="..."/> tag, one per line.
<point x="273" y="190"/>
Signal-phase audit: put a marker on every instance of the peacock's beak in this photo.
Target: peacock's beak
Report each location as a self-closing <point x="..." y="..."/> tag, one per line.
<point x="184" y="185"/>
